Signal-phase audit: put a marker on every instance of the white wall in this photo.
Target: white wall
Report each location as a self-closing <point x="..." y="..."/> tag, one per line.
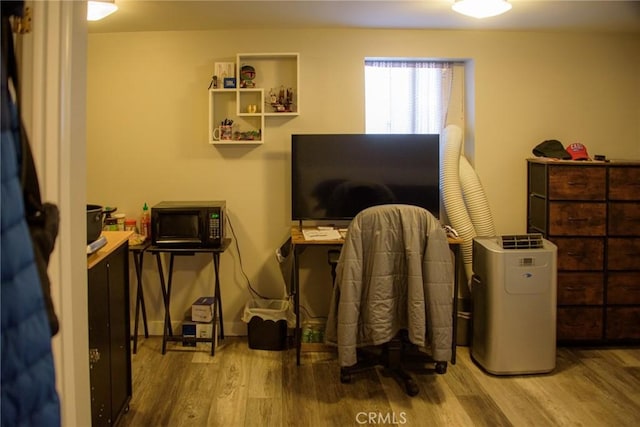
<point x="147" y="129"/>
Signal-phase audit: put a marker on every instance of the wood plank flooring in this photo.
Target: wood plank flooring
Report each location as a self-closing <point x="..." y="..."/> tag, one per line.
<point x="244" y="387"/>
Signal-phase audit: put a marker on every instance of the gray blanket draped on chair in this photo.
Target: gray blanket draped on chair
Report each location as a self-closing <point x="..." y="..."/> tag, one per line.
<point x="395" y="272"/>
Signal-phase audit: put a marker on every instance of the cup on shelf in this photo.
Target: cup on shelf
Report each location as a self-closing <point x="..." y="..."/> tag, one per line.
<point x="223" y="133"/>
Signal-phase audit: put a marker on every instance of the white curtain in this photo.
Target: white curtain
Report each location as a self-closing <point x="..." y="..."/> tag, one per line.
<point x="408" y="96"/>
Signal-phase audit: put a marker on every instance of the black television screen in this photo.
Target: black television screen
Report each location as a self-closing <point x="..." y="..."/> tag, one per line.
<point x="333" y="177"/>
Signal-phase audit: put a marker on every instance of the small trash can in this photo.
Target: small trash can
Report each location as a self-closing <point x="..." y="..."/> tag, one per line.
<point x="267" y="322"/>
<point x="463" y="332"/>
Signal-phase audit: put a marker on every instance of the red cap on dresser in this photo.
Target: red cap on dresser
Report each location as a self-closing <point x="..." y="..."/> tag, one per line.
<point x="578" y="151"/>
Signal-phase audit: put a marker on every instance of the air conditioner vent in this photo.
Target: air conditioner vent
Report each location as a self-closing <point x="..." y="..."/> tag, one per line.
<point x="522" y="241"/>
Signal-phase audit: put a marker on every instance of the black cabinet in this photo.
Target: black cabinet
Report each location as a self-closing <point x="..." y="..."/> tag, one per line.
<point x="109" y="340"/>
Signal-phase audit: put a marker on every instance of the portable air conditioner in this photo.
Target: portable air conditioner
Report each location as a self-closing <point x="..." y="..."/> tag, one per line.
<point x="514" y="304"/>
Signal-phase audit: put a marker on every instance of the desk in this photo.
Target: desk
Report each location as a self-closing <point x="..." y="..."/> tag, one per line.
<point x="299" y="243"/>
<point x="167" y="333"/>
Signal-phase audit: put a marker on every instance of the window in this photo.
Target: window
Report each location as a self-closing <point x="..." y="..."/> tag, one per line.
<point x="407" y="96"/>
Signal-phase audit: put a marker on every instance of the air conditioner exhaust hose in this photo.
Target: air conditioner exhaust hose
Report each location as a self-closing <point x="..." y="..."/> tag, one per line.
<point x="475" y="200"/>
<point x="463" y="197"/>
<point x="452" y="194"/>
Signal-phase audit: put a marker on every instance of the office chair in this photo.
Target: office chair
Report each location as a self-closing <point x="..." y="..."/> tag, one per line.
<point x="393" y="294"/>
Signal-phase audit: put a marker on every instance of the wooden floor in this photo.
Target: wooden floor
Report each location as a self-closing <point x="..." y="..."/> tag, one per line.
<point x="244" y="387"/>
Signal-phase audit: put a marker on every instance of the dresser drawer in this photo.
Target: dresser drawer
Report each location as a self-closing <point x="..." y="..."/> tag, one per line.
<point x="577" y="183"/>
<point x="624" y="219"/>
<point x="623" y="288"/>
<point x="623" y="323"/>
<point x="580" y="288"/>
<point x="623" y="253"/>
<point x="581" y="323"/>
<point x="580" y="253"/>
<point x="578" y="219"/>
<point x="624" y="183"/>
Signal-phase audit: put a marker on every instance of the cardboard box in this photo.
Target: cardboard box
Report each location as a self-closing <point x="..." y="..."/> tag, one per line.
<point x="202" y="309"/>
<point x="196" y="330"/>
<point x="192" y="330"/>
<point x="188" y="334"/>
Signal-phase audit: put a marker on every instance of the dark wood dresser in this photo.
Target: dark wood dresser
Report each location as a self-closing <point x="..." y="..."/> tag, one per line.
<point x="591" y="211"/>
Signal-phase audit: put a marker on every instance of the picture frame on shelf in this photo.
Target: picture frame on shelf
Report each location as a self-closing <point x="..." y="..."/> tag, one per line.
<point x="230" y="83"/>
<point x="224" y="70"/>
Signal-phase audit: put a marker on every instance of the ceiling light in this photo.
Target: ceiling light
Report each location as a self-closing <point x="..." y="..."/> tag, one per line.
<point x="481" y="8"/>
<point x="97" y="10"/>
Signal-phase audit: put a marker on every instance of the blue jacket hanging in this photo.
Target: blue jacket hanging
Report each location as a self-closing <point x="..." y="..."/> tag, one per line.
<point x="29" y="396"/>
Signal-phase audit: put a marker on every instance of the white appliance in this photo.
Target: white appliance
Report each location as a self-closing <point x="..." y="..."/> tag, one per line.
<point x="514" y="304"/>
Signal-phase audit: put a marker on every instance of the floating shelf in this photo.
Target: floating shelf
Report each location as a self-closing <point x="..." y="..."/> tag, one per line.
<point x="248" y="107"/>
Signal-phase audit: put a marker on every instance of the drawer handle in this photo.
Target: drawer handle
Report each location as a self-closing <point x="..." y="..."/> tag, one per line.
<point x="573" y="324"/>
<point x="94" y="355"/>
<point x="574" y="288"/>
<point x="577" y="183"/>
<point x="578" y="219"/>
<point x="575" y="254"/>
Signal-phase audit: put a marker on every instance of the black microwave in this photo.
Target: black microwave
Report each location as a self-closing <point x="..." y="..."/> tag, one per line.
<point x="188" y="224"/>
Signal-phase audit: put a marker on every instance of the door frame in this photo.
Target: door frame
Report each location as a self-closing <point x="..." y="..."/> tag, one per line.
<point x="53" y="58"/>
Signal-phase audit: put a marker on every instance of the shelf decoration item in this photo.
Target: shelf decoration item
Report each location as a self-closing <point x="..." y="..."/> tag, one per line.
<point x="223" y="70"/>
<point x="252" y="135"/>
<point x="214" y="83"/>
<point x="247" y="74"/>
<point x="282" y="101"/>
<point x="223" y="133"/>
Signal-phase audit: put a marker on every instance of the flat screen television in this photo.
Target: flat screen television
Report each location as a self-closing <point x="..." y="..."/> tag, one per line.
<point x="333" y="177"/>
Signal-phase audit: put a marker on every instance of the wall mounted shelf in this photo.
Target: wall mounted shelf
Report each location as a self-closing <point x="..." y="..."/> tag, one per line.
<point x="251" y="107"/>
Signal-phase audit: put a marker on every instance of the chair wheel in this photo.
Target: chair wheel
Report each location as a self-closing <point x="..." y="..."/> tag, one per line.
<point x="441" y="367"/>
<point x="345" y="377"/>
<point x="412" y="390"/>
